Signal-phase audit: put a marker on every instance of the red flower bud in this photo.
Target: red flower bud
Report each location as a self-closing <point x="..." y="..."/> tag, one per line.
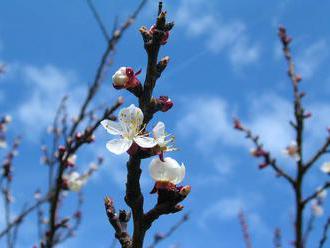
<point x="61" y="149"/>
<point x="238" y="125"/>
<point x="165" y="36"/>
<point x="166" y="103"/>
<point x="263" y="166"/>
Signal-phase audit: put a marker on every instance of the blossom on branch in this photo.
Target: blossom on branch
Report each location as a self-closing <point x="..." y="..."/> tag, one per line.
<point x="166" y="103"/>
<point x="326" y="168"/>
<point x="168" y="171"/>
<point x="292" y="151"/>
<point x="130" y="130"/>
<point x="125" y="78"/>
<point x="162" y="138"/>
<point x="74" y="181"/>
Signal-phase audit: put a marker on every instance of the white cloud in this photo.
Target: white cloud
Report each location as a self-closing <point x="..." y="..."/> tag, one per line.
<point x="210" y="120"/>
<point x="312" y="57"/>
<point x="270" y="116"/>
<point x="48" y="85"/>
<point x="228" y="208"/>
<point x="222" y="36"/>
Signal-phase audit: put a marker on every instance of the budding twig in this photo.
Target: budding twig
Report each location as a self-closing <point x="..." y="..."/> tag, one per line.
<point x="245" y="229"/>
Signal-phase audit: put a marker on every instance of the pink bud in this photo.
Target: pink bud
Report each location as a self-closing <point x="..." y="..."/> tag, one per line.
<point x="308" y="115"/>
<point x="298" y="78"/>
<point x="238" y="125"/>
<point x="259" y="152"/>
<point x="166" y="103"/>
<point x="184" y="191"/>
<point x="61" y="149"/>
<point x="132" y="79"/>
<point x="165" y="37"/>
<point x="79" y="135"/>
<point x="263" y="166"/>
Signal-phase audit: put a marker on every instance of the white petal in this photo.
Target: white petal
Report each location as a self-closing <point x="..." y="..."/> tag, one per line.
<point x="145" y="142"/>
<point x="120" y="77"/>
<point x="326" y="167"/>
<point x="131" y="117"/>
<point x="112" y="127"/>
<point x="159" y="130"/>
<point x="73" y="176"/>
<point x="176" y="172"/>
<point x="157" y="170"/>
<point x="169" y="170"/>
<point x="119" y="146"/>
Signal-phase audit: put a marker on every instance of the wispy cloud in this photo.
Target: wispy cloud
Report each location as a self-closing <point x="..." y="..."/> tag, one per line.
<point x="231" y="36"/>
<point x="209" y="119"/>
<point x="311" y="58"/>
<point x="48" y="85"/>
<point x="227" y="208"/>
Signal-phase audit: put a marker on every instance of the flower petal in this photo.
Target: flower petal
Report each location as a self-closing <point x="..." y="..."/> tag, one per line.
<point x="112" y="127"/>
<point x="145" y="142"/>
<point x="131" y="117"/>
<point x="169" y="170"/>
<point x="119" y="146"/>
<point x="159" y="130"/>
<point x="157" y="170"/>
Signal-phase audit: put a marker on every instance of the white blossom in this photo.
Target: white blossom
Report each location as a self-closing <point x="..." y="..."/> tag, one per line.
<point x="130" y="130"/>
<point x="167" y="171"/>
<point x="317" y="209"/>
<point x="162" y="138"/>
<point x="326" y="168"/>
<point x="292" y="151"/>
<point x="3" y="143"/>
<point x="322" y="194"/>
<point x="75" y="181"/>
<point x="120" y="78"/>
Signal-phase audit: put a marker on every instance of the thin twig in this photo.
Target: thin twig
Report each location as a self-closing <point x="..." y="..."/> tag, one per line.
<point x="158" y="237"/>
<point x="325" y="233"/>
<point x="245" y="229"/>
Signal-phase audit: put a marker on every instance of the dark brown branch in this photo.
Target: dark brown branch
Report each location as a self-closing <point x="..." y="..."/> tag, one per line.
<point x="71" y="149"/>
<point x="119" y="223"/>
<point x="299" y="128"/>
<point x="135" y="199"/>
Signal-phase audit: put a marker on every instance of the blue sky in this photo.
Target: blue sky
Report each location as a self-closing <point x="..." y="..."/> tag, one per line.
<point x="226" y="61"/>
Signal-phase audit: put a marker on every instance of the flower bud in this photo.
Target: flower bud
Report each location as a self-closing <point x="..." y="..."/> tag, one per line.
<point x="125" y="78"/>
<point x="184" y="191"/>
<point x="263" y="166"/>
<point x="164" y="37"/>
<point x="167" y="171"/>
<point x="258" y="152"/>
<point x="238" y="125"/>
<point x="166" y="103"/>
<point x="61" y="150"/>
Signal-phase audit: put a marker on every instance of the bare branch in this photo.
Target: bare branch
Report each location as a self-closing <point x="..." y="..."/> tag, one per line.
<point x="260" y="152"/>
<point x="314" y="195"/>
<point x="325" y="233"/>
<point x="158" y="237"/>
<point x="99" y="20"/>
